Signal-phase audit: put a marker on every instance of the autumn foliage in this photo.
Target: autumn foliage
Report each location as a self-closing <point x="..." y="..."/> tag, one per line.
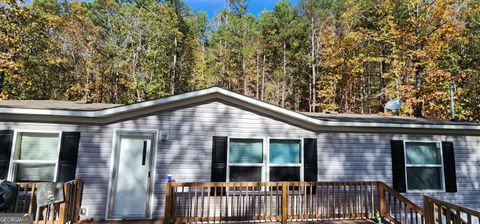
<point x="315" y="55"/>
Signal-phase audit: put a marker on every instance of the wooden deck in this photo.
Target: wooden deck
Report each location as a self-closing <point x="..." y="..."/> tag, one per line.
<point x="313" y="222"/>
<point x="66" y="211"/>
<point x="285" y="202"/>
<point x="300" y="202"/>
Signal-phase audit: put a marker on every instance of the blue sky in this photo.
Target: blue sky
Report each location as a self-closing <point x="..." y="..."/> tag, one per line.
<point x="212" y="6"/>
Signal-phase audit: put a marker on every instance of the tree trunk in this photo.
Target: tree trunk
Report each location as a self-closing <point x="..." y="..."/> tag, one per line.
<point x="284" y="74"/>
<point x="203" y="61"/>
<point x="229" y="79"/>
<point x="87" y="87"/>
<point x="296" y="97"/>
<point x="263" y="78"/>
<point x="383" y="84"/>
<point x="102" y="89"/>
<point x="314" y="91"/>
<point x="257" y="77"/>
<point x="309" y="96"/>
<point x="223" y="61"/>
<point x="174" y="68"/>
<point x="244" y="68"/>
<point x="362" y="94"/>
<point x="115" y="93"/>
<point x="2" y="79"/>
<point x="134" y="76"/>
<point x="418" y="107"/>
<point x="224" y="66"/>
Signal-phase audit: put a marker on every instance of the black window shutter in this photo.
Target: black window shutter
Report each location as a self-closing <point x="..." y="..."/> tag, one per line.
<point x="67" y="163"/>
<point x="449" y="167"/>
<point x="6" y="138"/>
<point x="398" y="166"/>
<point x="219" y="159"/>
<point x="310" y="159"/>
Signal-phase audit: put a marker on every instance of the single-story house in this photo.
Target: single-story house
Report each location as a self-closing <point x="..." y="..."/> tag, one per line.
<point x="123" y="153"/>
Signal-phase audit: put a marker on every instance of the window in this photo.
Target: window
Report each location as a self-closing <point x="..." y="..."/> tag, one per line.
<point x="424" y="166"/>
<point x="245" y="159"/>
<point x="285" y="160"/>
<point x="248" y="161"/>
<point x="35" y="156"/>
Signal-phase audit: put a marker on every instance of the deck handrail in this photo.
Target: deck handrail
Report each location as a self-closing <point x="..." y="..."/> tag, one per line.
<point x="286" y="201"/>
<point x="438" y="211"/>
<point x="66" y="211"/>
<point x="396" y="208"/>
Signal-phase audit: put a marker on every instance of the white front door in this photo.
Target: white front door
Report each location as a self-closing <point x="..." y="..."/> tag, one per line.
<point x="131" y="179"/>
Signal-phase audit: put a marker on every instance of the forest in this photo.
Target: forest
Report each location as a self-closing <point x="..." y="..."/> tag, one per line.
<point x="347" y="56"/>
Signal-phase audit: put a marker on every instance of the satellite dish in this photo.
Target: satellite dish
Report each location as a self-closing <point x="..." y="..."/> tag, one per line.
<point x="394" y="104"/>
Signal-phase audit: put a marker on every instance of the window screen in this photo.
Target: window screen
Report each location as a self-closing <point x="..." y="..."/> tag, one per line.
<point x="34" y="172"/>
<point x="423" y="166"/>
<point x="285" y="160"/>
<point x="284" y="151"/>
<point x="240" y="173"/>
<point x="423" y="153"/>
<point x="35" y="156"/>
<point x="37" y="146"/>
<point x="285" y="174"/>
<point x="246" y="151"/>
<point x="245" y="160"/>
<point x="424" y="178"/>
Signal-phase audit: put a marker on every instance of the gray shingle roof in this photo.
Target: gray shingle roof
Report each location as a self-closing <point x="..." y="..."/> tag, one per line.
<point x="55" y="105"/>
<point x="366" y="118"/>
<point x="100" y="112"/>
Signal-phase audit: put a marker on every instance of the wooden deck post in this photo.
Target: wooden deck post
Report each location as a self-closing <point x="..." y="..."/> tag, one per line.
<point x="284" y="202"/>
<point x="429" y="211"/>
<point x="168" y="204"/>
<point x="77" y="200"/>
<point x="381" y="199"/>
<point x="63" y="213"/>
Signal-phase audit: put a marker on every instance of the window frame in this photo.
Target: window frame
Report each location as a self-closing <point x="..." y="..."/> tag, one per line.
<point x="265" y="165"/>
<point x="261" y="165"/>
<point x="301" y="165"/>
<point x="441" y="165"/>
<point x="13" y="161"/>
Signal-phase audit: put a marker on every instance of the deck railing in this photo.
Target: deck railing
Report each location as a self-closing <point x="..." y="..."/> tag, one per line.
<point x="396" y="208"/>
<point x="66" y="211"/>
<point x="286" y="201"/>
<point x="442" y="212"/>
